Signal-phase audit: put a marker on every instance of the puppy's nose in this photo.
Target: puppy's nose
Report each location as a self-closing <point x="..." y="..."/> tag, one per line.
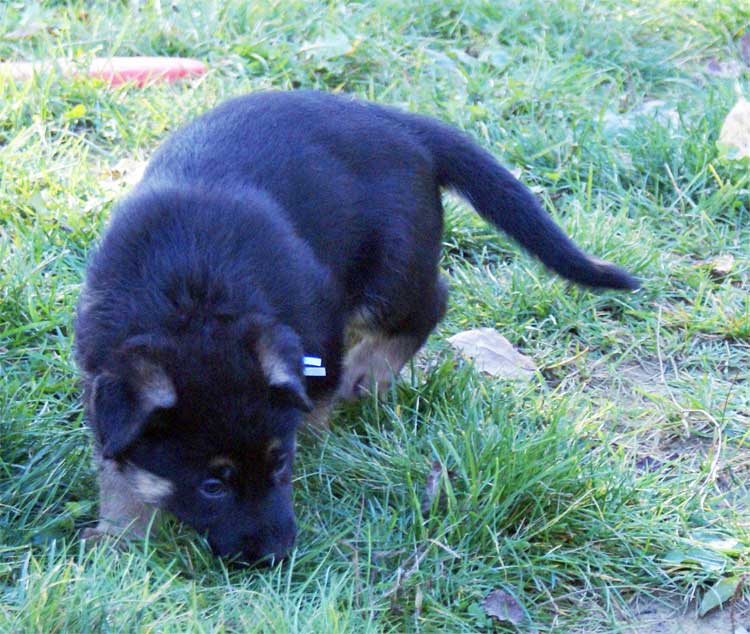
<point x="264" y="556"/>
<point x="268" y="552"/>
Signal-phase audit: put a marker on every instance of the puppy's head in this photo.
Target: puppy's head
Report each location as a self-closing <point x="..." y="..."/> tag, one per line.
<point x="205" y="428"/>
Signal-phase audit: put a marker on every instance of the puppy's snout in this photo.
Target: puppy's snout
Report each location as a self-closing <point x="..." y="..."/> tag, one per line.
<point x="271" y="550"/>
<point x="255" y="549"/>
<point x="268" y="554"/>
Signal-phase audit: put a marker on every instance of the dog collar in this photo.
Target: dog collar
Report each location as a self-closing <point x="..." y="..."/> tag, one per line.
<point x="313" y="366"/>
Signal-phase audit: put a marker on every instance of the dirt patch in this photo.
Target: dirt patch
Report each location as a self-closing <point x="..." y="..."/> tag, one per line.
<point x="656" y="618"/>
<point x="633" y="378"/>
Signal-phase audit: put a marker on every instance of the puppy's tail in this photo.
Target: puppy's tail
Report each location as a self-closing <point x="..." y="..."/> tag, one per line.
<point x="503" y="201"/>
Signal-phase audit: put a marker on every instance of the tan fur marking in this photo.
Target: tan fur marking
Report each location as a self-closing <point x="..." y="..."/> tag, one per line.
<point x="149" y="487"/>
<point x="121" y="511"/>
<point x="273" y="444"/>
<point x="220" y="462"/>
<point x="376" y="359"/>
<point x="276" y="371"/>
<point x="156" y="388"/>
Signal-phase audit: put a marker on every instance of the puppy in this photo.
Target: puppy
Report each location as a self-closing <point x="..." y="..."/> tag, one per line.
<point x="260" y="232"/>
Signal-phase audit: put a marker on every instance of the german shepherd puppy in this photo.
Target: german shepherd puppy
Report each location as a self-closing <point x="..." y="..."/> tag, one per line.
<point x="260" y="232"/>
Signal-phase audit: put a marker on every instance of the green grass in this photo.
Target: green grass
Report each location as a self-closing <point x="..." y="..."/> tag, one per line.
<point x="613" y="475"/>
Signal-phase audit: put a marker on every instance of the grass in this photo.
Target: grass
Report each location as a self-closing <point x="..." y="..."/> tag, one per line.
<point x="619" y="472"/>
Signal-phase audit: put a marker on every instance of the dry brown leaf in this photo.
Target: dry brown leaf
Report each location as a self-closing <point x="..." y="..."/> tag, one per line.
<point x="126" y="171"/>
<point x="663" y="112"/>
<point x="504" y="607"/>
<point x="718" y="267"/>
<point x="734" y="138"/>
<point x="432" y="488"/>
<point x="493" y="354"/>
<point x="722" y="265"/>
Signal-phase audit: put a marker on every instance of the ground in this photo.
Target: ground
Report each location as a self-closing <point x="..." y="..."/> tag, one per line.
<point x="611" y="485"/>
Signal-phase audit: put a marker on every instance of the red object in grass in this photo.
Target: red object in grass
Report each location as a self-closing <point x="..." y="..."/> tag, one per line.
<point x="139" y="71"/>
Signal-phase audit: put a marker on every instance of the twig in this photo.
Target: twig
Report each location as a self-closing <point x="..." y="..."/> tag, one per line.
<point x="402" y="577"/>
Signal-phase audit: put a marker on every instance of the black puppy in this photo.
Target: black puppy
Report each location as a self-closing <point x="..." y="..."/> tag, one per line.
<point x="260" y="232"/>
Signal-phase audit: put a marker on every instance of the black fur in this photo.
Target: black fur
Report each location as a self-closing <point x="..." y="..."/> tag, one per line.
<point x="258" y="232"/>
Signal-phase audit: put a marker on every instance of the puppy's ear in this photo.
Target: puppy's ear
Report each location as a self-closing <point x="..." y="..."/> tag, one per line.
<point x="124" y="397"/>
<point x="279" y="352"/>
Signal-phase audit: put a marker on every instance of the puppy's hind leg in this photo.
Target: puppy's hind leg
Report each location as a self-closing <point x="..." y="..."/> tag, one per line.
<point x="378" y="358"/>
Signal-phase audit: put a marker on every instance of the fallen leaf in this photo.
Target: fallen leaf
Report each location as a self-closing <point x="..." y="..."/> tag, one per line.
<point x="493" y="354"/>
<point x="734" y="137"/>
<point x="721" y="592"/>
<point x="718" y="542"/>
<point x="126" y="171"/>
<point x="707" y="559"/>
<point x="504" y="607"/>
<point x="329" y="47"/>
<point x="432" y="488"/>
<point x="727" y="69"/>
<point x="663" y="112"/>
<point x="722" y="265"/>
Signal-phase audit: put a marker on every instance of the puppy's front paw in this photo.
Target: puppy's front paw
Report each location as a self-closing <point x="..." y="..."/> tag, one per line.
<point x="93" y="535"/>
<point x="96" y="535"/>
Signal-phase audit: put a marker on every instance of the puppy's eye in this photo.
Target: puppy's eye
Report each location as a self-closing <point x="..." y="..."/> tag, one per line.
<point x="213" y="488"/>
